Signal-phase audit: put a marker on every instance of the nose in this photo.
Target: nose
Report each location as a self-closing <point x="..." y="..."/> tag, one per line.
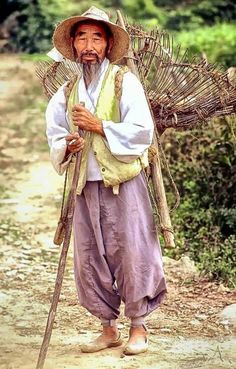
<point x="89" y="45"/>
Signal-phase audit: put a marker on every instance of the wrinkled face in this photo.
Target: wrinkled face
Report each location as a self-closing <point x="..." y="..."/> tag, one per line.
<point x="91" y="43"/>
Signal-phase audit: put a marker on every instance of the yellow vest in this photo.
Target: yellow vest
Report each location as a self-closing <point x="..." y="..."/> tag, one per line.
<point x="112" y="170"/>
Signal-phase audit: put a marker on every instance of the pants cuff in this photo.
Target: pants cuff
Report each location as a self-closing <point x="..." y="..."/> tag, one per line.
<point x="108" y="323"/>
<point x="137" y="322"/>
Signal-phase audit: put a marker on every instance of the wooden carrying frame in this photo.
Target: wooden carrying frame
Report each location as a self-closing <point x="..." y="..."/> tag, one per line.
<point x="156" y="173"/>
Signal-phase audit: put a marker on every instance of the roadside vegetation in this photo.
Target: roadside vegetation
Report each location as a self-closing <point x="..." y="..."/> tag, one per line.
<point x="203" y="165"/>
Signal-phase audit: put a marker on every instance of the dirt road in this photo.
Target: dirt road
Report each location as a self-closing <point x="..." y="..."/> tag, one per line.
<point x="184" y="333"/>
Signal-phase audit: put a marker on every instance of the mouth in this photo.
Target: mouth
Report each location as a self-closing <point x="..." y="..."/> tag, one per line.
<point x="90" y="57"/>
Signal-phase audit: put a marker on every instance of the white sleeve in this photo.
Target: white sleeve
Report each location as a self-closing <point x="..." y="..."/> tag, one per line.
<point x="57" y="129"/>
<point x="128" y="139"/>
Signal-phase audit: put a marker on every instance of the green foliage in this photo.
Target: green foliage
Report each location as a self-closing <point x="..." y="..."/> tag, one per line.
<point x="142" y="9"/>
<point x="203" y="164"/>
<point x="31" y="32"/>
<point x="217" y="42"/>
<point x="194" y="14"/>
<point x="34" y="23"/>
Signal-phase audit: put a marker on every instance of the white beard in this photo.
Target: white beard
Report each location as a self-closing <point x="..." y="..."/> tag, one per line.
<point x="90" y="72"/>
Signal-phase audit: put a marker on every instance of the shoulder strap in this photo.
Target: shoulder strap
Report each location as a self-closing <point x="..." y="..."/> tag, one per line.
<point x="119" y="80"/>
<point x="118" y="83"/>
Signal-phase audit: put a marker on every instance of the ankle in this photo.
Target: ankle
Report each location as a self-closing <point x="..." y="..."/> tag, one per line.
<point x="139" y="331"/>
<point x="107" y="329"/>
<point x="110" y="333"/>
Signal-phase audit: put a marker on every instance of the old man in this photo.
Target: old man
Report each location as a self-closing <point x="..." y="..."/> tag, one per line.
<point x="117" y="255"/>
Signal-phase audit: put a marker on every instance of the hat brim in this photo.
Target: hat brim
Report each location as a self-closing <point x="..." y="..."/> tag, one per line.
<point x="62" y="38"/>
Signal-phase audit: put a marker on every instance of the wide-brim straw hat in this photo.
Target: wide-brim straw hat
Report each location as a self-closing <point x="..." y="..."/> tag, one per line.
<point x="62" y="35"/>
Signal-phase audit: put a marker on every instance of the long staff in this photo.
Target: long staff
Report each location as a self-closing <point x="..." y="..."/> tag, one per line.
<point x="156" y="174"/>
<point x="61" y="265"/>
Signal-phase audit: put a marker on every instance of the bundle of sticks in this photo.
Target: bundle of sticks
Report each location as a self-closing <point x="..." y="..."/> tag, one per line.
<point x="183" y="91"/>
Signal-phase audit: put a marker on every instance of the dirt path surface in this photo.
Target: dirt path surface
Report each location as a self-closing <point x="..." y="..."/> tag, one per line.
<point x="184" y="333"/>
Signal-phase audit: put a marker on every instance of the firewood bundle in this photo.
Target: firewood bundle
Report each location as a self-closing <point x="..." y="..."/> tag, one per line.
<point x="183" y="91"/>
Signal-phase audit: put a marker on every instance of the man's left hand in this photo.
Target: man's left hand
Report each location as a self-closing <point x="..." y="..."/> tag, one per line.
<point x="85" y="120"/>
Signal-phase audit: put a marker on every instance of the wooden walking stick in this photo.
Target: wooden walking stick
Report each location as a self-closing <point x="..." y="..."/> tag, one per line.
<point x="156" y="174"/>
<point x="62" y="263"/>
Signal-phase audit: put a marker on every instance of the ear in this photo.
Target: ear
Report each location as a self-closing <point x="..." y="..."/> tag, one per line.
<point x="110" y="45"/>
<point x="72" y="41"/>
<point x="73" y="48"/>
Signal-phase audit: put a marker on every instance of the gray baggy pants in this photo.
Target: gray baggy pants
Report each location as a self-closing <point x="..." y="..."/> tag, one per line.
<point x="115" y="241"/>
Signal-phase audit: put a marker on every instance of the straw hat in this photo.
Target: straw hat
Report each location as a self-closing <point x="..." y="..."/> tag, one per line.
<point x="62" y="34"/>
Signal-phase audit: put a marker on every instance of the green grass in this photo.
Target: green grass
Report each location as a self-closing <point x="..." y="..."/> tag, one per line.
<point x="218" y="43"/>
<point x="34" y="57"/>
<point x="3" y="192"/>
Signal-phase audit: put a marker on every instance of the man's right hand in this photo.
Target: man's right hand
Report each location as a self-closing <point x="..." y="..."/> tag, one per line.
<point x="74" y="142"/>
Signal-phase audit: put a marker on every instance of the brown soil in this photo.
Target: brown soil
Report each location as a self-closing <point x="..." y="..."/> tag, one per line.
<point x="184" y="333"/>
